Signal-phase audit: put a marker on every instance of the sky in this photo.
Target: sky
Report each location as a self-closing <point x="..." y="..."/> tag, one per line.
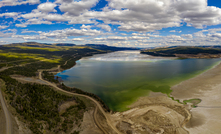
<point x="123" y="23"/>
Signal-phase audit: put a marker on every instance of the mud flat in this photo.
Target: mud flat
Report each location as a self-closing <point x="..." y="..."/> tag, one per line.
<point x="206" y="117"/>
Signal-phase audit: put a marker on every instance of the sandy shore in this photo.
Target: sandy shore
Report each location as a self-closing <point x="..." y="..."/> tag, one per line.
<point x="206" y="117"/>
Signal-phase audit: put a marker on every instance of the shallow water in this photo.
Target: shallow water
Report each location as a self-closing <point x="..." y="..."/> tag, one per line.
<point x="120" y="78"/>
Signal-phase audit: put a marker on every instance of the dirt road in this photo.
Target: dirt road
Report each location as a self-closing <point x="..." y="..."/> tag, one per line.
<point x="97" y="122"/>
<point x="7" y="115"/>
<point x="92" y="99"/>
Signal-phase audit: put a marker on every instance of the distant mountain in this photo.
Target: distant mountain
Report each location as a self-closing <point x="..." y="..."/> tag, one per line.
<point x="29" y="44"/>
<point x="64" y="44"/>
<point x="196" y="46"/>
<point x="110" y="48"/>
<point x="186" y="51"/>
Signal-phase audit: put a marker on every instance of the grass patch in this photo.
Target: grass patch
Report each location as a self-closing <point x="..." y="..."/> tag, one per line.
<point x="38" y="48"/>
<point x="193" y="101"/>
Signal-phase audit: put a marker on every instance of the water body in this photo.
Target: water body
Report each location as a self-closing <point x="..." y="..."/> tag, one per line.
<point x="120" y="78"/>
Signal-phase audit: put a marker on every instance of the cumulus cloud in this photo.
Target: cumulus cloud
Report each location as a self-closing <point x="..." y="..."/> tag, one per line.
<point x="71" y="32"/>
<point x="85" y="26"/>
<point x="21" y="25"/>
<point x="33" y="21"/>
<point x="138" y="38"/>
<point x="187" y="35"/>
<point x="138" y="15"/>
<point x="131" y="15"/>
<point x="75" y="8"/>
<point x="105" y="27"/>
<point x="116" y="38"/>
<point x="30" y="37"/>
<point x="17" y="2"/>
<point x="47" y="7"/>
<point x="3" y="27"/>
<point x="152" y="15"/>
<point x="142" y="17"/>
<point x="217" y="35"/>
<point x="13" y="15"/>
<point x="8" y="33"/>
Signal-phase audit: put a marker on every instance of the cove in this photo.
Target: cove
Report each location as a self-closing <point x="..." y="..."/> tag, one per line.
<point x="120" y="78"/>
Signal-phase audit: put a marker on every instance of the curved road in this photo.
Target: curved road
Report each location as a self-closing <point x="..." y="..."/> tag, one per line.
<point x="92" y="99"/>
<point x="7" y="116"/>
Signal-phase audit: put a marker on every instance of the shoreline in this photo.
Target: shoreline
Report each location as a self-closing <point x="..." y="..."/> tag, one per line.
<point x="201" y="73"/>
<point x="206" y="86"/>
<point x="195" y="77"/>
<point x="171" y="85"/>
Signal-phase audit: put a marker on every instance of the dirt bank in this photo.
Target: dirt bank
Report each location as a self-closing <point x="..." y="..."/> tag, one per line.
<point x="155" y="114"/>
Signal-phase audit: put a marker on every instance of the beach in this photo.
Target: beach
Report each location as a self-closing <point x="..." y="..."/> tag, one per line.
<point x="206" y="117"/>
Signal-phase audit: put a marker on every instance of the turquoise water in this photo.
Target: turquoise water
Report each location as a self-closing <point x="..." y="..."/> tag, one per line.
<point x="120" y="78"/>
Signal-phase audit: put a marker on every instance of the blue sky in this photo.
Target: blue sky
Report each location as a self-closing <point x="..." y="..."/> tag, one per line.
<point x="129" y="23"/>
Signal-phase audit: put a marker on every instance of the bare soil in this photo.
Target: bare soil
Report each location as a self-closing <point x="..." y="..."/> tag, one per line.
<point x="88" y="126"/>
<point x="22" y="129"/>
<point x="24" y="79"/>
<point x="153" y="115"/>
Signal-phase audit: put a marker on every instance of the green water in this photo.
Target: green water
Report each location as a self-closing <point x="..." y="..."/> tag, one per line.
<point x="120" y="80"/>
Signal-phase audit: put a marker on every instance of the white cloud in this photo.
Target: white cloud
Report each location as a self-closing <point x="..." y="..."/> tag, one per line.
<point x="99" y="39"/>
<point x="27" y="31"/>
<point x="8" y="33"/>
<point x="199" y="34"/>
<point x="123" y="34"/>
<point x="174" y="31"/>
<point x="105" y="27"/>
<point x="85" y="26"/>
<point x="138" y="38"/>
<point x="71" y="32"/>
<point x="3" y="27"/>
<point x="78" y="39"/>
<point x="17" y="2"/>
<point x="139" y="16"/>
<point x="47" y="7"/>
<point x="21" y="25"/>
<point x="153" y="35"/>
<point x="10" y="15"/>
<point x="2" y="42"/>
<point x="33" y="21"/>
<point x="30" y="37"/>
<point x="75" y="8"/>
<point x="131" y="15"/>
<point x="218" y="35"/>
<point x="116" y="38"/>
<point x="152" y="15"/>
<point x="187" y="35"/>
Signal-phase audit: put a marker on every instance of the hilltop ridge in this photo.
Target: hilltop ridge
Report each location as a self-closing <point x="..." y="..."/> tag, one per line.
<point x="186" y="51"/>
